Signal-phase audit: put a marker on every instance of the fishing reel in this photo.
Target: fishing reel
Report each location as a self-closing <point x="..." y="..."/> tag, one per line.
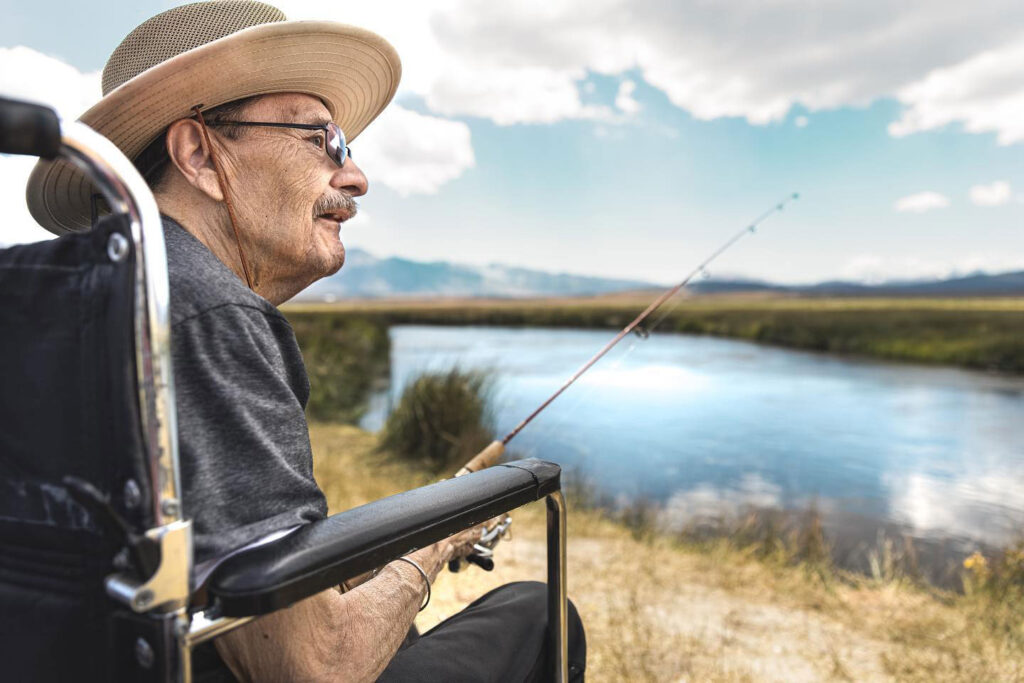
<point x="483" y="550"/>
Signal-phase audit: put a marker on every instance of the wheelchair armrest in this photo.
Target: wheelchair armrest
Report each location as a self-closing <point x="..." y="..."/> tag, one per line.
<point x="322" y="554"/>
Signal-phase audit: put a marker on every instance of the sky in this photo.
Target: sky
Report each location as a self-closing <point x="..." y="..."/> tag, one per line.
<point x="630" y="138"/>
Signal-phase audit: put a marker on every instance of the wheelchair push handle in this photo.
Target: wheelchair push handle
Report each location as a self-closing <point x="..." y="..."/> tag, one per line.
<point x="27" y="128"/>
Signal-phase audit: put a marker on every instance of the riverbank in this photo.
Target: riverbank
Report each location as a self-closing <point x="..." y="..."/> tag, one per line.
<point x="986" y="334"/>
<point x="659" y="609"/>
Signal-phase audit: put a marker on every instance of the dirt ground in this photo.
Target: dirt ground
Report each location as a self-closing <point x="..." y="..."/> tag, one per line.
<point x="655" y="610"/>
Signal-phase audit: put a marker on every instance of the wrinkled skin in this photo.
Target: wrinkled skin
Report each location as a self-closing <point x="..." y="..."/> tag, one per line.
<point x="274" y="178"/>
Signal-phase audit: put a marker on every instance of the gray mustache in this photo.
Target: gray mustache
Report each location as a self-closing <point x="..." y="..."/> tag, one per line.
<point x="335" y="202"/>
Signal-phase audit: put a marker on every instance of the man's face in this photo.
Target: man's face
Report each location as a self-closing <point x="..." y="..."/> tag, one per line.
<point x="282" y="182"/>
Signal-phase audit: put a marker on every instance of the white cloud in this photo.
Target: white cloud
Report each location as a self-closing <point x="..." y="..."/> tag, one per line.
<point x="985" y="93"/>
<point x="413" y="153"/>
<point x="995" y="194"/>
<point x="801" y="121"/>
<point x="874" y="269"/>
<point x="528" y="94"/>
<point x="31" y="75"/>
<point x="409" y="152"/>
<point x="523" y="62"/>
<point x="18" y="225"/>
<point x="921" y="202"/>
<point x="624" y="99"/>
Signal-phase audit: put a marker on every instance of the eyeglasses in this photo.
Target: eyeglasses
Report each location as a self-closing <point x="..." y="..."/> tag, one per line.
<point x="334" y="138"/>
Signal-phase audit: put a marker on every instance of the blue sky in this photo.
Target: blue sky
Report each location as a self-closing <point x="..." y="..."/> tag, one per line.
<point x="630" y="138"/>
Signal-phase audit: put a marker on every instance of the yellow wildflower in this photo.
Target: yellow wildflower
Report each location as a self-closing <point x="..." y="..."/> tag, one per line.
<point x="976" y="563"/>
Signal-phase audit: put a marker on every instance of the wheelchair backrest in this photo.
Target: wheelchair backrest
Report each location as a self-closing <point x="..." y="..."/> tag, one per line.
<point x="73" y="475"/>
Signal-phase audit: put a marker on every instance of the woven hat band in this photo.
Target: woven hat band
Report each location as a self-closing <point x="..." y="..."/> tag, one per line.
<point x="179" y="30"/>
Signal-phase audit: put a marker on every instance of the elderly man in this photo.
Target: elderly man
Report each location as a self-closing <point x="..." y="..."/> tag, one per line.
<point x="237" y="119"/>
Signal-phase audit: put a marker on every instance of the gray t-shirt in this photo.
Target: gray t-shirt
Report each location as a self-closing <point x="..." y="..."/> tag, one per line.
<point x="241" y="387"/>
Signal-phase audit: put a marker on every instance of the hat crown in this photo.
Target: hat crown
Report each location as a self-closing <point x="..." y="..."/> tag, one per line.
<point x="179" y="30"/>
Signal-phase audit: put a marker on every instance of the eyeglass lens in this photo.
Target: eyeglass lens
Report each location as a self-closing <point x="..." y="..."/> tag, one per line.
<point x="336" y="146"/>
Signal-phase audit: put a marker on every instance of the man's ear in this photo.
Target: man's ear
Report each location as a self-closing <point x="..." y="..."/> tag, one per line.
<point x="190" y="155"/>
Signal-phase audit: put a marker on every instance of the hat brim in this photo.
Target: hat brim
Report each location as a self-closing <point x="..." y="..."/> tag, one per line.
<point x="353" y="71"/>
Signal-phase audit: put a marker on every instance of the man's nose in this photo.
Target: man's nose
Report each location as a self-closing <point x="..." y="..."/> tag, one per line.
<point x="350" y="178"/>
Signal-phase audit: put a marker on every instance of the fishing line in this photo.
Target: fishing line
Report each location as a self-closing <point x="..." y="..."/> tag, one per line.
<point x="702" y="269"/>
<point x="750" y="229"/>
<point x="572" y="405"/>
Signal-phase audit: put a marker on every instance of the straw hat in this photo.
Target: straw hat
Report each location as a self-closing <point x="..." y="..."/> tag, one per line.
<point x="211" y="53"/>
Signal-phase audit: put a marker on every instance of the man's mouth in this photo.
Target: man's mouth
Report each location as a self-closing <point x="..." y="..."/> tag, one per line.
<point x="336" y="208"/>
<point x="338" y="217"/>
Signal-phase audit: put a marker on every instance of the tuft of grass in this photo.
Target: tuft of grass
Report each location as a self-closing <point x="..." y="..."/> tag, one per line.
<point x="442" y="419"/>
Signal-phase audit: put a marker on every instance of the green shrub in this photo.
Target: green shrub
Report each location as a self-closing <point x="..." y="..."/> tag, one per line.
<point x="442" y="419"/>
<point x="346" y="357"/>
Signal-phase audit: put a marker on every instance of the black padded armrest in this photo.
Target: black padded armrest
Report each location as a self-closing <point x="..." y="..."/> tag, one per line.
<point x="325" y="553"/>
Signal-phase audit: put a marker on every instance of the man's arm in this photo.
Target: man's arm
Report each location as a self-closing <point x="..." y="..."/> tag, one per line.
<point x="336" y="636"/>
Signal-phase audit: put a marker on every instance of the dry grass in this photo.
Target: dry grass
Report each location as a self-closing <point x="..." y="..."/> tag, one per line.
<point x="659" y="611"/>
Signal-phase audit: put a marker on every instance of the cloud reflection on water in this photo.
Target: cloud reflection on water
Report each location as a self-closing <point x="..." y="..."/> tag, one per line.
<point x="707" y="502"/>
<point x="984" y="505"/>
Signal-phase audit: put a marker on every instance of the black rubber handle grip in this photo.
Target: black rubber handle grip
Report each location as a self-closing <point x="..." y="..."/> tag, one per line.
<point x="27" y="128"/>
<point x="485" y="563"/>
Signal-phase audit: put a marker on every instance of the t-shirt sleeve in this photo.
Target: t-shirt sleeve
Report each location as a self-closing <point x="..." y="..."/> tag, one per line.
<point x="246" y="462"/>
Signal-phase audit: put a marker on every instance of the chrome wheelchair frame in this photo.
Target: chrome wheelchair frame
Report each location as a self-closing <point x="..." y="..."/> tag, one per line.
<point x="159" y="618"/>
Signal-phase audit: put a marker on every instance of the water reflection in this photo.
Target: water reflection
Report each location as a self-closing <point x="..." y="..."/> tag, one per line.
<point x="983" y="506"/>
<point x="707" y="427"/>
<point x="705" y="503"/>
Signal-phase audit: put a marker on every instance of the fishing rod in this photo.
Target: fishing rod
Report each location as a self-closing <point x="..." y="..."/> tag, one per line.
<point x="483" y="551"/>
<point x="490" y="455"/>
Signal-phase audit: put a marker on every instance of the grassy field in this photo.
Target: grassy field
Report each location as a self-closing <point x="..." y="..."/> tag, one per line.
<point x="983" y="334"/>
<point x="659" y="608"/>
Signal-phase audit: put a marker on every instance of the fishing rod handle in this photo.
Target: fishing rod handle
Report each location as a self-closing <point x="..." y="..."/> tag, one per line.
<point x="485" y="563"/>
<point x="484" y="459"/>
<point x="30" y="129"/>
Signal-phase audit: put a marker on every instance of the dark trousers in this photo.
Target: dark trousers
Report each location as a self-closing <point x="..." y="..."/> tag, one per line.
<point x="500" y="637"/>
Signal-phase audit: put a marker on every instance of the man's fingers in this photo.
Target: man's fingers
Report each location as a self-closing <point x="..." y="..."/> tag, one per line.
<point x="464" y="541"/>
<point x="461" y="544"/>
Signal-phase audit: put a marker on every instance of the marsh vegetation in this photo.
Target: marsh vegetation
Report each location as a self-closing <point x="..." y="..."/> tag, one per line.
<point x="974" y="333"/>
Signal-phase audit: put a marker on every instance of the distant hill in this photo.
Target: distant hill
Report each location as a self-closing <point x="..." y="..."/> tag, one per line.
<point x="367" y="276"/>
<point x="978" y="284"/>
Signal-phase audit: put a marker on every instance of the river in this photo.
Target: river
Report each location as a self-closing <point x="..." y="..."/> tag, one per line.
<point x="710" y="427"/>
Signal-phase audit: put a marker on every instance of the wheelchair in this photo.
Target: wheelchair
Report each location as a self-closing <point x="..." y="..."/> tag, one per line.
<point x="97" y="579"/>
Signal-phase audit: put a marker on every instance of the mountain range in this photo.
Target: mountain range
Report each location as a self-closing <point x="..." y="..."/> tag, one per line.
<point x="367" y="276"/>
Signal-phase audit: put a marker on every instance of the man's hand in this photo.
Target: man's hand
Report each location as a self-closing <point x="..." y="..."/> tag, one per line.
<point x="435" y="557"/>
<point x="459" y="545"/>
<point x="341" y="637"/>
